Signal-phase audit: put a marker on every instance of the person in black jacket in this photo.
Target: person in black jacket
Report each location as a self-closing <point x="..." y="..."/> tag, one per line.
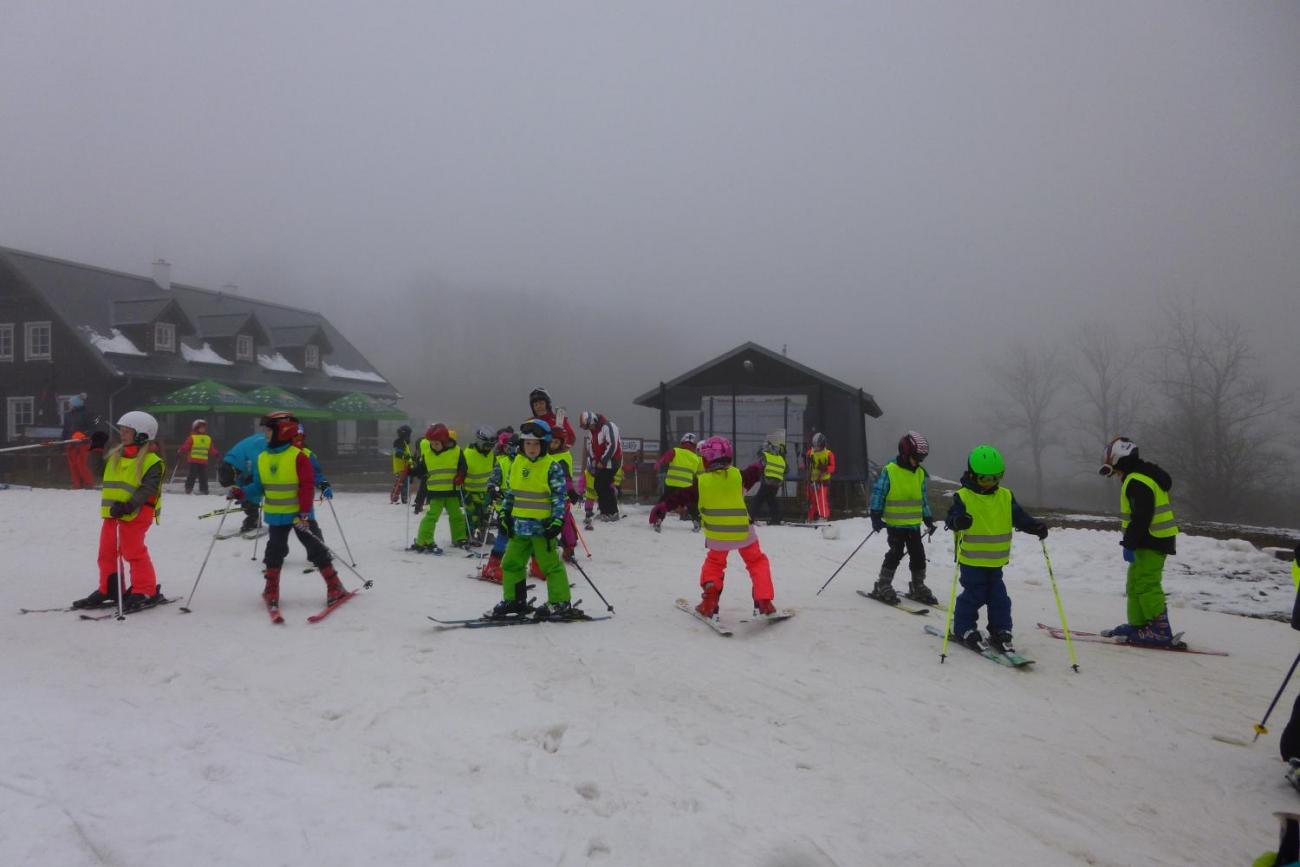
<point x="1290" y="743"/>
<point x="1147" y="519"/>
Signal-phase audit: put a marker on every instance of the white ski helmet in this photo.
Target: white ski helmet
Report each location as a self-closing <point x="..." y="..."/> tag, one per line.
<point x="1116" y="450"/>
<point x="144" y="425"/>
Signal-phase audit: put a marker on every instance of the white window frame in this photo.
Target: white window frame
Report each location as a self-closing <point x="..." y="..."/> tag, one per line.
<point x="12" y="424"/>
<point x="28" y="329"/>
<point x="311" y="356"/>
<point x="163" y="330"/>
<point x="6" y="341"/>
<point x="241" y="341"/>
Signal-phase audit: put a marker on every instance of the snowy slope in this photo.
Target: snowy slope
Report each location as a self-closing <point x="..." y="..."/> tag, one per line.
<point x="833" y="738"/>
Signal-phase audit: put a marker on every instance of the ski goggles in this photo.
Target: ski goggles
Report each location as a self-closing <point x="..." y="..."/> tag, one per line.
<point x="989" y="481"/>
<point x="533" y="432"/>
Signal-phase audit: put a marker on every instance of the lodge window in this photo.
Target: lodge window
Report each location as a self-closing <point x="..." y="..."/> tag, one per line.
<point x="164" y="337"/>
<point x="312" y="357"/>
<point x="6" y="341"/>
<point x="20" y="413"/>
<point x="243" y="347"/>
<point x="36" y="341"/>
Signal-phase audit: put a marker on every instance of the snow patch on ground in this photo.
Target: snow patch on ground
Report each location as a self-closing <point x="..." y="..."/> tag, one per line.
<point x="336" y="372"/>
<point x="203" y="355"/>
<point x="116" y="344"/>
<point x="832" y="738"/>
<point x="276" y="362"/>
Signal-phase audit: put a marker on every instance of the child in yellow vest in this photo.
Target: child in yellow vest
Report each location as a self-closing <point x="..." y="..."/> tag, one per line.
<point x="198" y="448"/>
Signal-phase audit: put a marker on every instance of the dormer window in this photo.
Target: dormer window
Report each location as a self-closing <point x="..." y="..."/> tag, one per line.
<point x="312" y="356"/>
<point x="244" y="347"/>
<point x="164" y="337"/>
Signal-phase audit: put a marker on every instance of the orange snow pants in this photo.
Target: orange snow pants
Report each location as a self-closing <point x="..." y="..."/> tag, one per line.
<point x="760" y="571"/>
<point x="134" y="552"/>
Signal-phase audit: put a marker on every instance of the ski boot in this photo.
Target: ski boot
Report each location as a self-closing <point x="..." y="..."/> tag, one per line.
<point x="1000" y="640"/>
<point x="884" y="589"/>
<point x="1123" y="632"/>
<point x="708" y="606"/>
<point x="764" y="609"/>
<point x="271" y="593"/>
<point x="972" y="639"/>
<point x="1156" y="632"/>
<point x="509" y="609"/>
<point x="695" y="525"/>
<point x="334" y="591"/>
<point x="96" y="599"/>
<point x="917" y="590"/>
<point x="586" y="522"/>
<point x="558" y="611"/>
<point x="567" y="554"/>
<point x="492" y="569"/>
<point x="658" y="525"/>
<point x="133" y="601"/>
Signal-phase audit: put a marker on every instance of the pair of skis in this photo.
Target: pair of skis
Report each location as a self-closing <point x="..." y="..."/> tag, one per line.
<point x="244" y="534"/>
<point x="1096" y="637"/>
<point x="900" y="605"/>
<point x="521" y="620"/>
<point x="726" y="631"/>
<point x="1010" y="660"/>
<point x="273" y="611"/>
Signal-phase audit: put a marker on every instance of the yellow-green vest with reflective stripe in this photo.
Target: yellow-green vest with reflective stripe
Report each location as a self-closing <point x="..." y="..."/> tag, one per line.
<point x="440" y="467"/>
<point x="531" y="487"/>
<point x="773" y="467"/>
<point x="402" y="458"/>
<point x="1295" y="574"/>
<point x="722" y="505"/>
<point x="278" y="473"/>
<point x="987" y="542"/>
<point x="122" y="477"/>
<point x="199" y="445"/>
<point x="903" y="504"/>
<point x="682" y="468"/>
<point x="478" y="469"/>
<point x="1162" y="517"/>
<point x="503" y="461"/>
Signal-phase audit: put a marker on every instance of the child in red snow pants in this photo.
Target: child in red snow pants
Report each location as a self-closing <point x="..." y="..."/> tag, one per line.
<point x="760" y="572"/>
<point x="134" y="552"/>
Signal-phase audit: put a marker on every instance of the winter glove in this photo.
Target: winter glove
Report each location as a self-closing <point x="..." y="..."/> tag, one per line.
<point x="1129" y="556"/>
<point x="327" y="492"/>
<point x="236" y="493"/>
<point x="574" y="496"/>
<point x="98" y="440"/>
<point x="119" y="509"/>
<point x="553" y="528"/>
<point x="506" y="524"/>
<point x="492" y="492"/>
<point x="418" y="508"/>
<point x="459" y="481"/>
<point x="929" y="526"/>
<point x="300" y="521"/>
<point x="877" y="522"/>
<point x="961" y="522"/>
<point x="1039" y="530"/>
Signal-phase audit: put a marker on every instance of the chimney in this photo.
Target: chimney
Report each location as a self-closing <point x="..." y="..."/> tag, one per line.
<point x="162" y="274"/>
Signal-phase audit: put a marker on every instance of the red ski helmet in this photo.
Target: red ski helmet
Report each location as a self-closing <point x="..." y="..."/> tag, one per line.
<point x="913" y="445"/>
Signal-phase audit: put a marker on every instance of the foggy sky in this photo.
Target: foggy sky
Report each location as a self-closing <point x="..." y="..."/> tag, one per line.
<point x="894" y="190"/>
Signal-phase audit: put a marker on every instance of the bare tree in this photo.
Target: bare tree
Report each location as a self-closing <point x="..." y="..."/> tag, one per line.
<point x="1031" y="379"/>
<point x="1108" y="381"/>
<point x="1214" y="428"/>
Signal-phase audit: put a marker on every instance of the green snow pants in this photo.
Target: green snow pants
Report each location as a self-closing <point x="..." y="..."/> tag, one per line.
<point x="434" y="507"/>
<point x="1145" y="592"/>
<point x="514" y="566"/>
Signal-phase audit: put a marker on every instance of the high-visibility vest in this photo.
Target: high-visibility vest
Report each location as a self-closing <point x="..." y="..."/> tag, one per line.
<point x="530" y="485"/>
<point x="565" y="458"/>
<point x="402" y="458"/>
<point x="478" y="469"/>
<point x="1295" y="574"/>
<point x="278" y="472"/>
<point x="199" y="445"/>
<point x="441" y="467"/>
<point x="722" y="505"/>
<point x="987" y="542"/>
<point x="819" y="462"/>
<point x="503" y="461"/>
<point x="903" y="506"/>
<point x="589" y="486"/>
<point x="773" y="467"/>
<point x="122" y="477"/>
<point x="1162" y="518"/>
<point x="682" y="468"/>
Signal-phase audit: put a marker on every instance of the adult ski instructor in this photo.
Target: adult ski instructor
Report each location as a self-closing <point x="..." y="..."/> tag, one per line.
<point x="605" y="455"/>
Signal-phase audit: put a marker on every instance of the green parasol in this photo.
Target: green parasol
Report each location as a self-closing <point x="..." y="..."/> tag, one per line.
<point x="274" y="397"/>
<point x="363" y="407"/>
<point x="207" y="396"/>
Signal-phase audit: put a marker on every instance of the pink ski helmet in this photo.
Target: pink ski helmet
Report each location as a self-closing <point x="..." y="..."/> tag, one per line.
<point x="715" y="452"/>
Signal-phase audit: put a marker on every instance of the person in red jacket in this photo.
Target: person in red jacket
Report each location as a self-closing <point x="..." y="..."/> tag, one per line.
<point x="821" y="467"/>
<point x="605" y="448"/>
<point x="198" y="448"/>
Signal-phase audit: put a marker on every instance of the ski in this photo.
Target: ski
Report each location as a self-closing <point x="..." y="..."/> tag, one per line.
<point x="933" y="606"/>
<point x="1098" y="638"/>
<point x="483" y="622"/>
<point x="1013" y="660"/>
<point x="781" y="614"/>
<point x="113" y="613"/>
<point x="901" y="606"/>
<point x="711" y="622"/>
<point x="273" y="610"/>
<point x="65" y="609"/>
<point x="331" y="608"/>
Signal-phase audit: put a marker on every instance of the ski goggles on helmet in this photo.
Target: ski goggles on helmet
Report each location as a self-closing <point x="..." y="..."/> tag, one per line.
<point x="534" y="431"/>
<point x="988" y="480"/>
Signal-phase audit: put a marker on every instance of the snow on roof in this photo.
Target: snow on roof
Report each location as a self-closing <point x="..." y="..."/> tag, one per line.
<point x="205" y="354"/>
<point x="335" y="372"/>
<point x="276" y="362"/>
<point x="117" y="344"/>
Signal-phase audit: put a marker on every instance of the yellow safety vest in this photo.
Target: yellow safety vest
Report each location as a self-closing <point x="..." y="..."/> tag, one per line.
<point x="440" y="466"/>
<point x="683" y="468"/>
<point x="478" y="469"/>
<point x="1295" y="574"/>
<point x="530" y="485"/>
<point x="279" y="476"/>
<point x="903" y="502"/>
<point x="722" y="505"/>
<point x="402" y="459"/>
<point x="987" y="542"/>
<point x="199" y="445"/>
<point x="122" y="477"/>
<point x="589" y="489"/>
<point x="773" y="467"/>
<point x="1162" y="518"/>
<point x="818" y="463"/>
<point x="566" y="458"/>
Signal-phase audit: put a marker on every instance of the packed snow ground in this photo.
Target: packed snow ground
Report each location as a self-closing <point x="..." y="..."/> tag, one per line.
<point x="215" y="738"/>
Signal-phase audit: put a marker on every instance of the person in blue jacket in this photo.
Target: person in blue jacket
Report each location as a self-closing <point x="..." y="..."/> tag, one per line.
<point x="236" y="470"/>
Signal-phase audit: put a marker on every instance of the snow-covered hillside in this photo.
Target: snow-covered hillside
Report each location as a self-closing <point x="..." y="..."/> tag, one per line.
<point x="215" y="738"/>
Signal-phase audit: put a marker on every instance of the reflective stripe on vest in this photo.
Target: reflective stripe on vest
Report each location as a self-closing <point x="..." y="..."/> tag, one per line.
<point x="122" y="477"/>
<point x="722" y="505"/>
<point x="903" y="506"/>
<point x="682" y="468"/>
<point x="1162" y="516"/>
<point x="199" y="445"/>
<point x="773" y="467"/>
<point x="440" y="466"/>
<point x="278" y="473"/>
<point x="530" y="485"/>
<point x="987" y="542"/>
<point x="478" y="469"/>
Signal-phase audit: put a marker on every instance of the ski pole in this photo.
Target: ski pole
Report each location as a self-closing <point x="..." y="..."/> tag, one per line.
<point x="608" y="607"/>
<point x="301" y="526"/>
<point x="121" y="568"/>
<point x="846" y="561"/>
<point x="257" y="531"/>
<point x="185" y="608"/>
<point x="580" y="539"/>
<point x="952" y="604"/>
<point x="229" y="508"/>
<point x="1060" y="609"/>
<point x="346" y="546"/>
<point x="491" y="515"/>
<point x="39" y="445"/>
<point x="1260" y="729"/>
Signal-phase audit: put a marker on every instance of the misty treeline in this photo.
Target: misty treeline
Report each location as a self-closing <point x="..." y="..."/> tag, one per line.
<point x="1189" y="389"/>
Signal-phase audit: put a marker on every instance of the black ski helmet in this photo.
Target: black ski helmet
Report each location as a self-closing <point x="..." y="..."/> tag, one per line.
<point x="537" y="394"/>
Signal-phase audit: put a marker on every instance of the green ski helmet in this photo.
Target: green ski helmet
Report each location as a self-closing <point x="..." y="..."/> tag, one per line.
<point x="985" y="460"/>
